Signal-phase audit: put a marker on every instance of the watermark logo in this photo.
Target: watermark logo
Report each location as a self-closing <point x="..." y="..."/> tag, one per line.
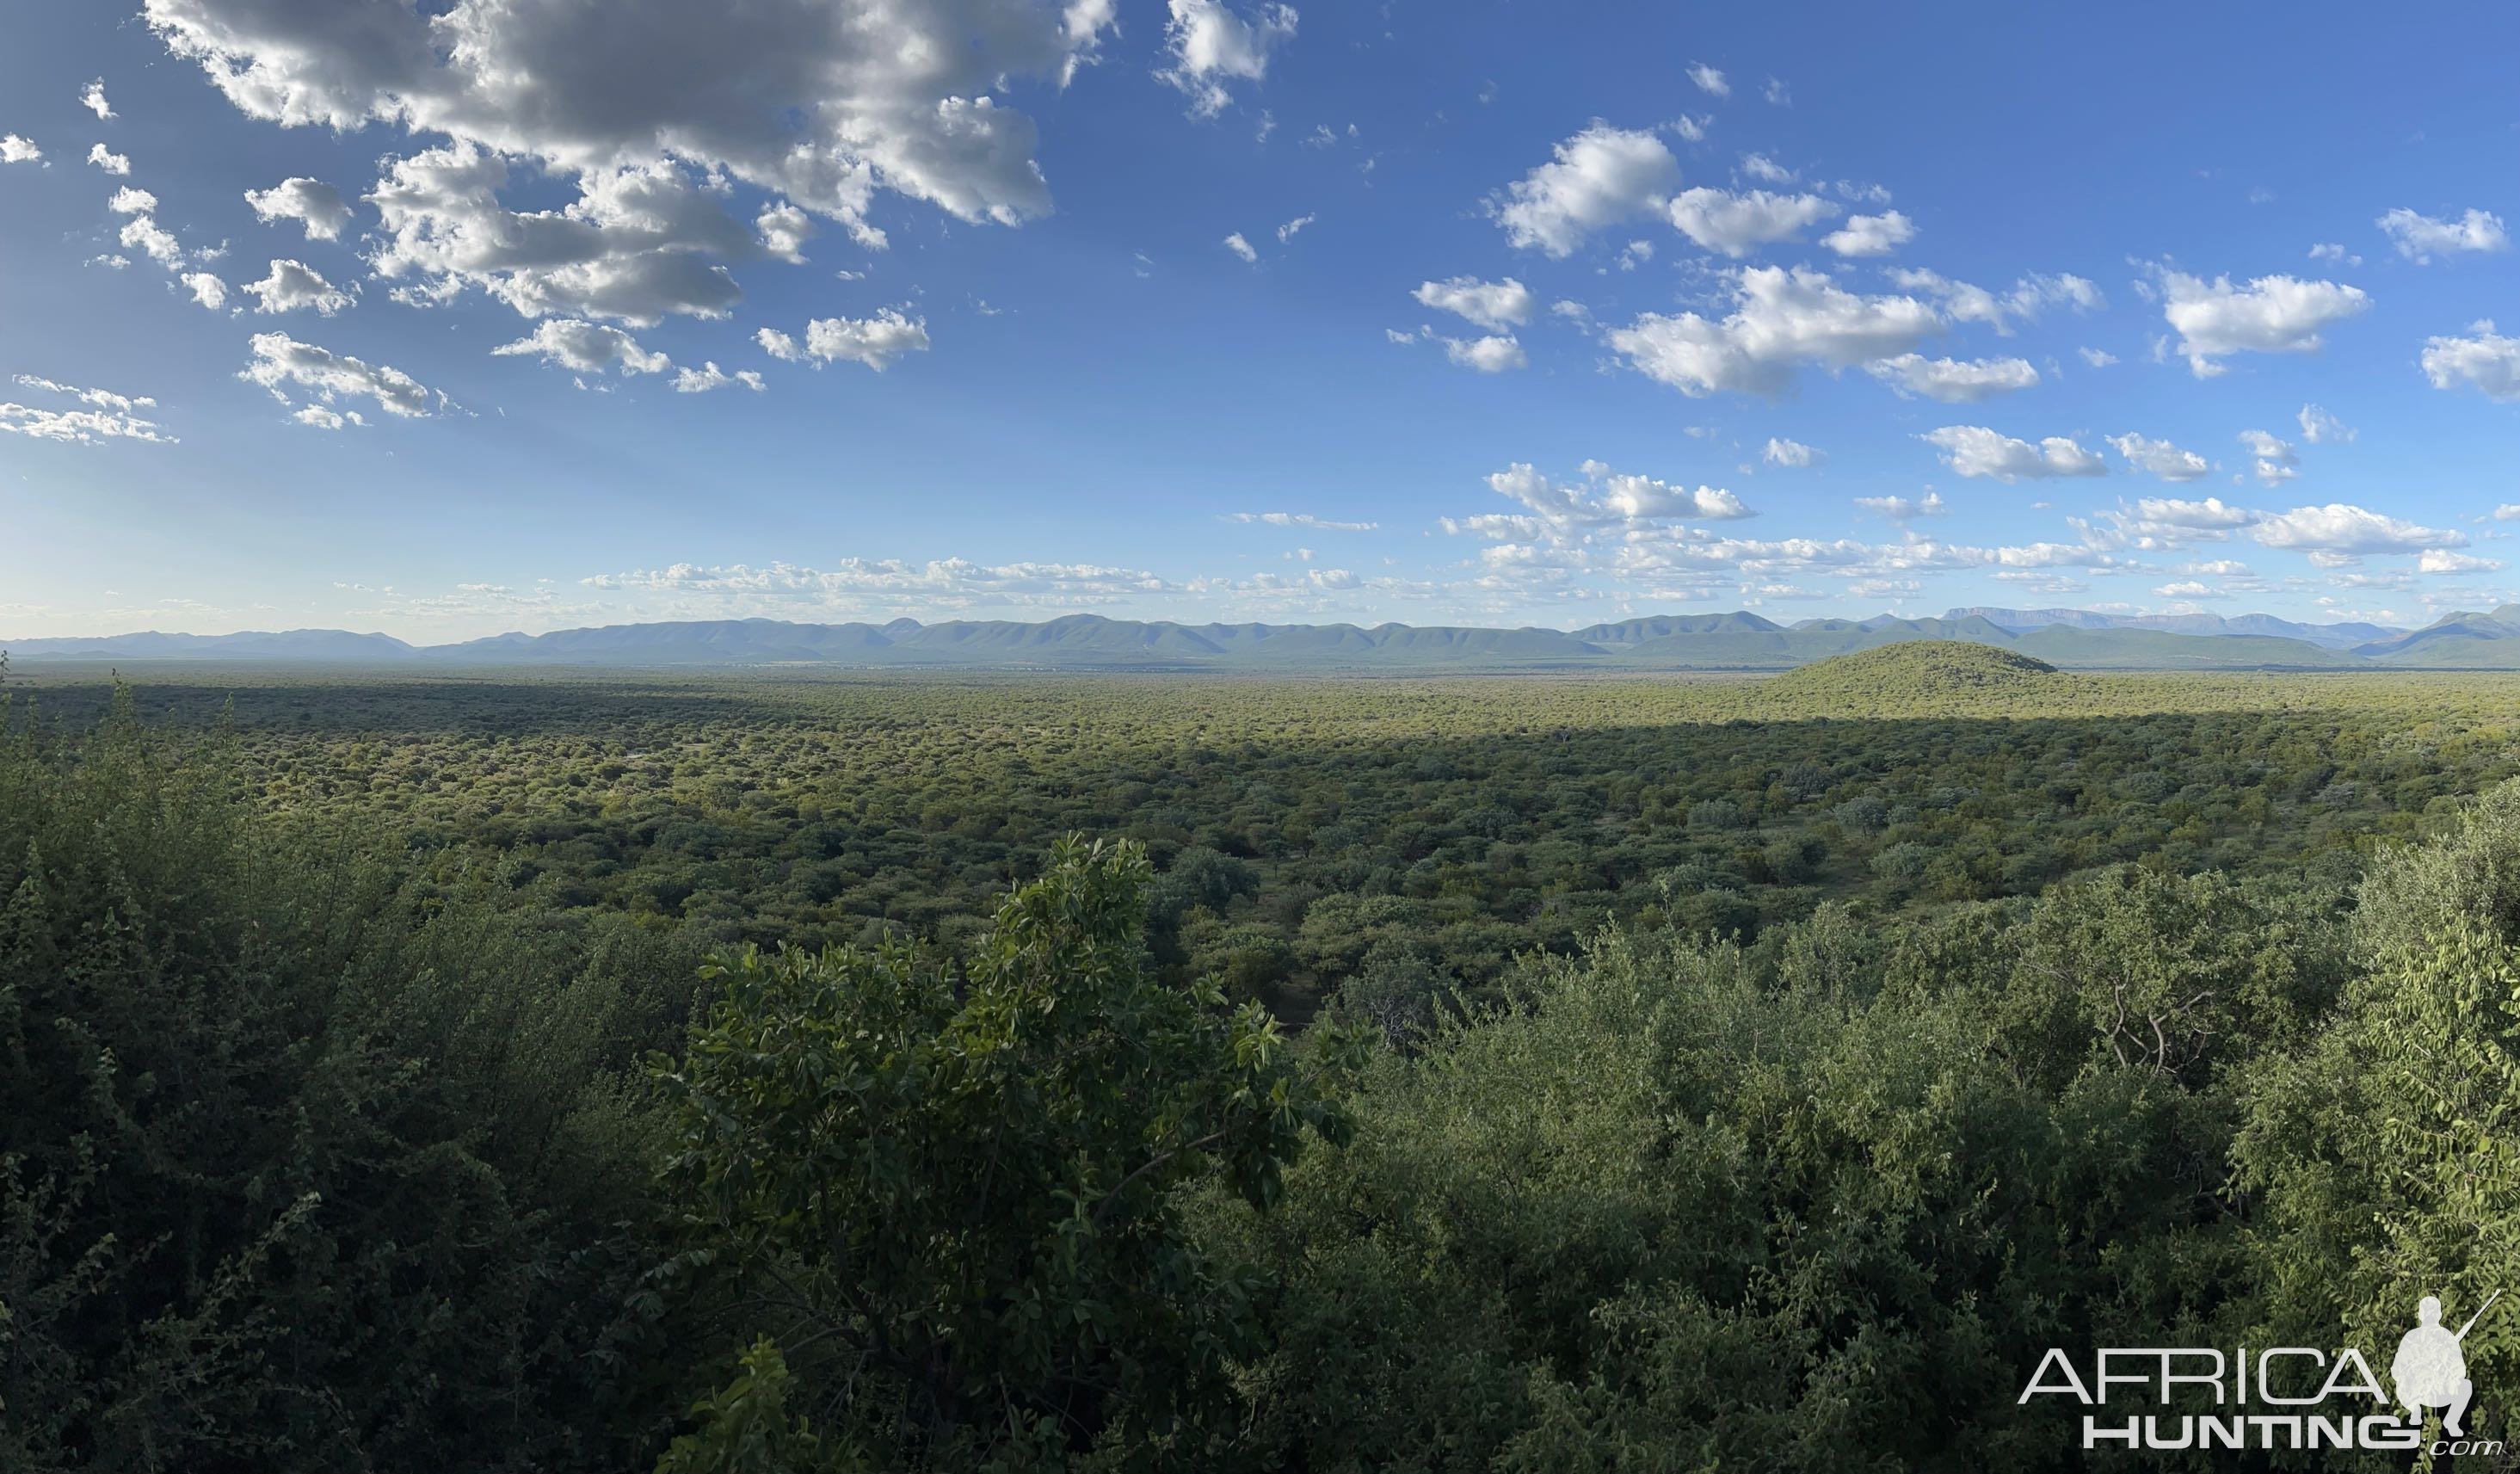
<point x="2279" y="1397"/>
<point x="2430" y="1369"/>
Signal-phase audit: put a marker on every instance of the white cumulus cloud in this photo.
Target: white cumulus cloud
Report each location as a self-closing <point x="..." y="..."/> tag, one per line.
<point x="2269" y="315"/>
<point x="2420" y="238"/>
<point x="1905" y="509"/>
<point x="1954" y="380"/>
<point x="635" y="244"/>
<point x="1783" y="319"/>
<point x="1493" y="354"/>
<point x="318" y="417"/>
<point x="1870" y="235"/>
<point x="315" y="205"/>
<point x="282" y="362"/>
<point x="1212" y="47"/>
<point x="646" y="107"/>
<point x="1967" y="302"/>
<point x="2160" y="458"/>
<point x="1973" y="450"/>
<point x="2484" y="358"/>
<point x="2277" y="461"/>
<point x="1791" y="453"/>
<point x="708" y="377"/>
<point x="107" y="415"/>
<point x="1606" y="500"/>
<point x="2340" y="528"/>
<point x="1739" y="224"/>
<point x="2319" y="428"/>
<point x="587" y="347"/>
<point x="2211" y="514"/>
<point x="1493" y="306"/>
<point x="295" y="287"/>
<point x="142" y="232"/>
<point x="784" y="229"/>
<point x="1599" y="177"/>
<point x="875" y="342"/>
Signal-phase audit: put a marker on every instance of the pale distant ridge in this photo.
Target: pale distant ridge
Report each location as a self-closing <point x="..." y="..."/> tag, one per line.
<point x="1739" y="641"/>
<point x="2343" y="635"/>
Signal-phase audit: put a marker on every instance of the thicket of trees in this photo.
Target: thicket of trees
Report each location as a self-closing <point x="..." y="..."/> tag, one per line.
<point x="322" y="1153"/>
<point x="1296" y="825"/>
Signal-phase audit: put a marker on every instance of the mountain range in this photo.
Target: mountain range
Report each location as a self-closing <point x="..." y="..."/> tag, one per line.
<point x="2073" y="639"/>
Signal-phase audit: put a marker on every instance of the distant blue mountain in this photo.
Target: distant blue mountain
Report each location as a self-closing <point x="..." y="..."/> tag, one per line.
<point x="2345" y="636"/>
<point x="2077" y="639"/>
<point x="250" y="645"/>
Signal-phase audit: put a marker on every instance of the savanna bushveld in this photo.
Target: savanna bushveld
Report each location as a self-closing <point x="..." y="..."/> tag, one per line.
<point x="742" y="1072"/>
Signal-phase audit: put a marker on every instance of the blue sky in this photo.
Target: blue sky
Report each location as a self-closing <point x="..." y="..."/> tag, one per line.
<point x="1489" y="313"/>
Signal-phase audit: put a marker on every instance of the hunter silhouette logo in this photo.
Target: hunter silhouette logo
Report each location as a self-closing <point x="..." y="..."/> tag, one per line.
<point x="2266" y="1398"/>
<point x="2430" y="1369"/>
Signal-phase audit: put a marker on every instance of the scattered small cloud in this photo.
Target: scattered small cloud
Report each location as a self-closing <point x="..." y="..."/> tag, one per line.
<point x="315" y="205"/>
<point x="1211" y="48"/>
<point x="2420" y="238"/>
<point x="1494" y="354"/>
<point x="2484" y="359"/>
<point x="1954" y="380"/>
<point x="708" y="377"/>
<point x="2277" y="314"/>
<point x="2277" y="461"/>
<point x="1905" y="509"/>
<point x="2319" y="428"/>
<point x="584" y="346"/>
<point x="1494" y="305"/>
<point x="1870" y="235"/>
<point x="2160" y="458"/>
<point x="1303" y="519"/>
<point x="1973" y="450"/>
<point x="102" y="416"/>
<point x="876" y="341"/>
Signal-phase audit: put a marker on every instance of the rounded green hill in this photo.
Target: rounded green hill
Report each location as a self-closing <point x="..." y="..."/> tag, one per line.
<point x="1912" y="671"/>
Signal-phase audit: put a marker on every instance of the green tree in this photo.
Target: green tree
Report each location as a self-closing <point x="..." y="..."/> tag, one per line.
<point x="947" y="1188"/>
<point x="300" y="1169"/>
<point x="2388" y="1150"/>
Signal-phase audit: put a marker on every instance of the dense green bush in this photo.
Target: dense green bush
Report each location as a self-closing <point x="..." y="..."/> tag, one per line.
<point x="1813" y="1204"/>
<point x="394" y="1144"/>
<point x="948" y="1185"/>
<point x="300" y="1167"/>
<point x="1503" y="815"/>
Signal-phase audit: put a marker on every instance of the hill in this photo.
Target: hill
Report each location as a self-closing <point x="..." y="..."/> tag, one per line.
<point x="2463" y="638"/>
<point x="1940" y="672"/>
